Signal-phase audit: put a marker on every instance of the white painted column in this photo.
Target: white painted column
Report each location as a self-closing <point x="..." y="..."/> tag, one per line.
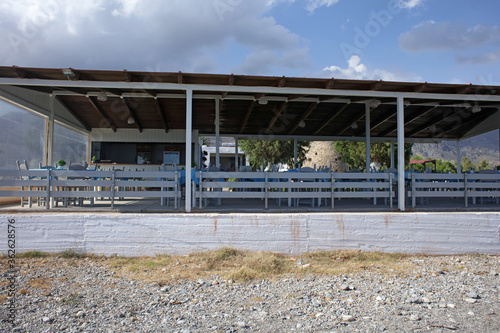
<point x="367" y="135"/>
<point x="401" y="154"/>
<point x="50" y="133"/>
<point x="217" y="132"/>
<point x="295" y="153"/>
<point x="189" y="138"/>
<point x="392" y="154"/>
<point x="459" y="158"/>
<point x="236" y="155"/>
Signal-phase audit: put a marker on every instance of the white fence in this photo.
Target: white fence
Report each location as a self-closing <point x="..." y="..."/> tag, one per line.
<point x="294" y="188"/>
<point x="286" y="188"/>
<point x="56" y="186"/>
<point x="474" y="185"/>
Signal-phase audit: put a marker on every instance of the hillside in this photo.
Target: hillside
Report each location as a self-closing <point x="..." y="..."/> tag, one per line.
<point x="483" y="147"/>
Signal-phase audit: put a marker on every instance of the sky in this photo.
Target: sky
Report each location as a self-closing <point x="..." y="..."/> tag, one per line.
<point x="445" y="41"/>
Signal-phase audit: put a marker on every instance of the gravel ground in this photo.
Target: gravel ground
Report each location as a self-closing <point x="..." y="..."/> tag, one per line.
<point x="439" y="294"/>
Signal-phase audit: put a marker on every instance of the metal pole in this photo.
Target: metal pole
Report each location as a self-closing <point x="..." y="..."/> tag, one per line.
<point x="367" y="135"/>
<point x="50" y="133"/>
<point x="401" y="154"/>
<point x="217" y="132"/>
<point x="189" y="138"/>
<point x="236" y="155"/>
<point x="392" y="154"/>
<point x="459" y="158"/>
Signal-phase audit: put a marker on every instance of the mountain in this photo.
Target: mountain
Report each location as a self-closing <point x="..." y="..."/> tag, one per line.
<point x="481" y="147"/>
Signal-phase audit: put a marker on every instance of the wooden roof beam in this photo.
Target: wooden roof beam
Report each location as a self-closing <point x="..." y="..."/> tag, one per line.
<point x="132" y="113"/>
<point x="303" y="117"/>
<point x="420" y="87"/>
<point x="127" y="76"/>
<point x="277" y="113"/>
<point x="377" y="123"/>
<point x="74" y="114"/>
<point x="96" y="106"/>
<point x="179" y="78"/>
<point x="358" y="117"/>
<point x="247" y="116"/>
<point x="330" y="83"/>
<point x="282" y="82"/>
<point x="433" y="121"/>
<point x="161" y="114"/>
<point x="328" y="120"/>
<point x="21" y="73"/>
<point x="408" y="120"/>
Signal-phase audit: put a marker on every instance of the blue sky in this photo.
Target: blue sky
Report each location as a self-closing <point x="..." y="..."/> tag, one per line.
<point x="445" y="41"/>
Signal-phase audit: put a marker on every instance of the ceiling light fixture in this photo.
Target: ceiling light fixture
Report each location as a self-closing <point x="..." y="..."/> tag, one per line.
<point x="263" y="101"/>
<point x="432" y="128"/>
<point x="354" y="125"/>
<point x="302" y="124"/>
<point x="101" y="96"/>
<point x="130" y="121"/>
<point x="374" y="103"/>
<point x="476" y="108"/>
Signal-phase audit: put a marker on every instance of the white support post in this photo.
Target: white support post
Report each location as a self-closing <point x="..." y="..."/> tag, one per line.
<point x="392" y="154"/>
<point x="459" y="158"/>
<point x="217" y="132"/>
<point x="236" y="155"/>
<point x="50" y="133"/>
<point x="367" y="134"/>
<point x="189" y="138"/>
<point x="295" y="153"/>
<point x="401" y="154"/>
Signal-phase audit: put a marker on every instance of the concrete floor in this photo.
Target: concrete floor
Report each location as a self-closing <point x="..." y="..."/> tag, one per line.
<point x="152" y="205"/>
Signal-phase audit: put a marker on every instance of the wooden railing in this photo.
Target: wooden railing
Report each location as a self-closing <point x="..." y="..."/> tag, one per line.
<point x="70" y="185"/>
<point x="474" y="185"/>
<point x="292" y="187"/>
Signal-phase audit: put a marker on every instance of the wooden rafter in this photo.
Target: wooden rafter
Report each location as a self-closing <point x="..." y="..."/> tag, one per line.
<point x="331" y="118"/>
<point x="21" y="73"/>
<point x="247" y="116"/>
<point x="429" y="123"/>
<point x="179" y="77"/>
<point x="132" y="113"/>
<point x="74" y="114"/>
<point x="103" y="114"/>
<point x="277" y="113"/>
<point x="303" y="117"/>
<point x="464" y="90"/>
<point x="377" y="123"/>
<point x="127" y="76"/>
<point x="474" y="120"/>
<point x="349" y="123"/>
<point x="408" y="120"/>
<point x="161" y="114"/>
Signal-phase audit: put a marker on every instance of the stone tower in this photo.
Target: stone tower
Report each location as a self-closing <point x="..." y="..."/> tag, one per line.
<point x="322" y="153"/>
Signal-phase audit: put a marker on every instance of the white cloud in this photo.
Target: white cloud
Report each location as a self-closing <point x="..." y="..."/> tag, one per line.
<point x="358" y="71"/>
<point x="448" y="36"/>
<point x="312" y="5"/>
<point x="410" y="4"/>
<point x="116" y="34"/>
<point x="482" y="42"/>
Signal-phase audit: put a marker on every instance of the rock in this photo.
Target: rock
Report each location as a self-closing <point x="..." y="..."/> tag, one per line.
<point x="241" y="324"/>
<point x="472" y="295"/>
<point x="80" y="314"/>
<point x="46" y="319"/>
<point x="414" y="317"/>
<point x="470" y="300"/>
<point x="347" y="318"/>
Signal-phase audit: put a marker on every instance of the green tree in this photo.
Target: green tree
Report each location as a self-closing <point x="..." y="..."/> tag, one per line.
<point x="354" y="153"/>
<point x="262" y="152"/>
<point x="445" y="167"/>
<point x="483" y="165"/>
<point x="467" y="165"/>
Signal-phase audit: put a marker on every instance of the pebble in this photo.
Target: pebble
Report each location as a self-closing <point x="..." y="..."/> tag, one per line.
<point x="88" y="297"/>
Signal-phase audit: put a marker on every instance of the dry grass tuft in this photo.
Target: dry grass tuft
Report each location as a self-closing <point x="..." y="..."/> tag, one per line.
<point x="238" y="265"/>
<point x="41" y="283"/>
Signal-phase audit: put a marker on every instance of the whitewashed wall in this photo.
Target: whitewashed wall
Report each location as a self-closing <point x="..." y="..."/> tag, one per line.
<point x="150" y="234"/>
